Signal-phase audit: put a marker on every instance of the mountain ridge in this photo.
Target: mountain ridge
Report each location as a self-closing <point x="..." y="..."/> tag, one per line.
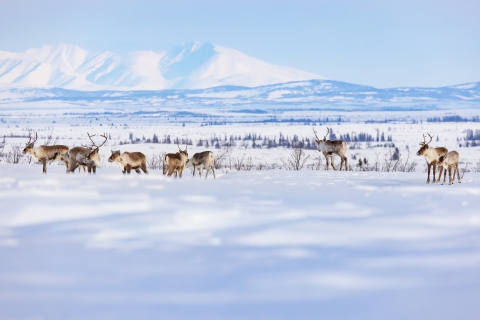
<point x="187" y="66"/>
<point x="313" y="93"/>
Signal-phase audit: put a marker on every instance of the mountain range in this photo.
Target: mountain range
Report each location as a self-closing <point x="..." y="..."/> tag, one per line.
<point x="187" y="66"/>
<point x="196" y="74"/>
<point x="324" y="94"/>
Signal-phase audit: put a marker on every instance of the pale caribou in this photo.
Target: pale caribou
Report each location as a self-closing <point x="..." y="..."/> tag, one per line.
<point x="129" y="160"/>
<point x="432" y="156"/>
<point x="202" y="160"/>
<point x="330" y="147"/>
<point x="449" y="162"/>
<point x="43" y="153"/>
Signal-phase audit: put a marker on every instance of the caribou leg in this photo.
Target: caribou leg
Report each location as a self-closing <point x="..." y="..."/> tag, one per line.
<point x="428" y="178"/>
<point x="440" y="168"/>
<point x="333" y="163"/>
<point x="326" y="158"/>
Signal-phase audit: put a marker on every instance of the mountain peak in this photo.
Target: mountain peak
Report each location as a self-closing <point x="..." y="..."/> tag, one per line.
<point x="187" y="66"/>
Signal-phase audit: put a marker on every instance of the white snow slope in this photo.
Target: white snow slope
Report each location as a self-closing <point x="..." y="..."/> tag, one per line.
<point x="188" y="66"/>
<point x="248" y="245"/>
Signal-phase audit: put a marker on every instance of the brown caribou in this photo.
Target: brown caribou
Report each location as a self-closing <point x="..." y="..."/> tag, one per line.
<point x="175" y="162"/>
<point x="129" y="160"/>
<point x="202" y="160"/>
<point x="432" y="156"/>
<point x="85" y="156"/>
<point x="330" y="147"/>
<point x="449" y="162"/>
<point x="43" y="153"/>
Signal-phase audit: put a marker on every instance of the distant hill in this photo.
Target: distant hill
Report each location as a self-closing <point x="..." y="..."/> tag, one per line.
<point x="311" y="93"/>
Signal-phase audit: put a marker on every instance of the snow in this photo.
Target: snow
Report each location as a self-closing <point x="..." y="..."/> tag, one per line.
<point x="187" y="66"/>
<point x="263" y="244"/>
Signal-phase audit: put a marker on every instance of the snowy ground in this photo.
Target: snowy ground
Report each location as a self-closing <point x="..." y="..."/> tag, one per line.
<point x="248" y="245"/>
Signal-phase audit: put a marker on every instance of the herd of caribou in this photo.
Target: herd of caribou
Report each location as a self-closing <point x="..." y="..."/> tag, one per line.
<point x="88" y="158"/>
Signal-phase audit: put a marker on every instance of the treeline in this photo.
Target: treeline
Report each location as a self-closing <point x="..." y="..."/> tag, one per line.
<point x="472" y="138"/>
<point x="274" y="119"/>
<point x="255" y="140"/>
<point x="453" y="118"/>
<point x="361" y="137"/>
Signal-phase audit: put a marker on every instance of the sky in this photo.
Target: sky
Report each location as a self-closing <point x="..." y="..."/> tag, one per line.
<point x="379" y="43"/>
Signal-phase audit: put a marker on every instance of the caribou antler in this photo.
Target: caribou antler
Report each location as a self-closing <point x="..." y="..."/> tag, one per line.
<point x="328" y="131"/>
<point x="90" y="137"/>
<point x="431" y="137"/>
<point x="178" y="145"/>
<point x="424" y="140"/>
<point x="186" y="147"/>
<point x="30" y="138"/>
<point x="106" y="138"/>
<point x="315" y="132"/>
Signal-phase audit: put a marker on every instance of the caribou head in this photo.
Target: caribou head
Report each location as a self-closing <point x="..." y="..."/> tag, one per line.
<point x="183" y="152"/>
<point x="424" y="145"/>
<point x="94" y="155"/>
<point x="30" y="143"/>
<point x="114" y="156"/>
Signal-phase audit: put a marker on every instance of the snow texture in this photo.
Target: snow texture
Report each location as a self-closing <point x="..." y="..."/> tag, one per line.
<point x="248" y="245"/>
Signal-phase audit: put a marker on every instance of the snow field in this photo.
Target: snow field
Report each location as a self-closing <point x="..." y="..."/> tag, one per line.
<point x="263" y="244"/>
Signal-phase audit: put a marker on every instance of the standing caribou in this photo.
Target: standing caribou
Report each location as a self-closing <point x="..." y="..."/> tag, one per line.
<point x="85" y="156"/>
<point x="175" y="162"/>
<point x="43" y="153"/>
<point x="202" y="160"/>
<point x="330" y="147"/>
<point x="129" y="160"/>
<point x="432" y="156"/>
<point x="450" y="161"/>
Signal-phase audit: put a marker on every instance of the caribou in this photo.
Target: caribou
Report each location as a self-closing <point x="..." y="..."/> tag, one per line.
<point x="129" y="160"/>
<point x="43" y="153"/>
<point x="330" y="147"/>
<point x="85" y="156"/>
<point x="175" y="162"/>
<point x="450" y="161"/>
<point x="202" y="160"/>
<point x="65" y="158"/>
<point x="432" y="156"/>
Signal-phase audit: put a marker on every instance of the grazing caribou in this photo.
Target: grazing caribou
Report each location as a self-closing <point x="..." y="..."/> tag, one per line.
<point x="43" y="153"/>
<point x="129" y="160"/>
<point x="450" y="161"/>
<point x="202" y="160"/>
<point x="431" y="156"/>
<point x="65" y="158"/>
<point x="85" y="156"/>
<point x="330" y="147"/>
<point x="175" y="162"/>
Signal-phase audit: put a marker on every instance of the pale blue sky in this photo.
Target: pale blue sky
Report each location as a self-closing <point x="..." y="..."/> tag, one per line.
<point x="378" y="43"/>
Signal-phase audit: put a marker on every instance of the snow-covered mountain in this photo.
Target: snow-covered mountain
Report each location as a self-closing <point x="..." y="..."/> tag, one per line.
<point x="188" y="66"/>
